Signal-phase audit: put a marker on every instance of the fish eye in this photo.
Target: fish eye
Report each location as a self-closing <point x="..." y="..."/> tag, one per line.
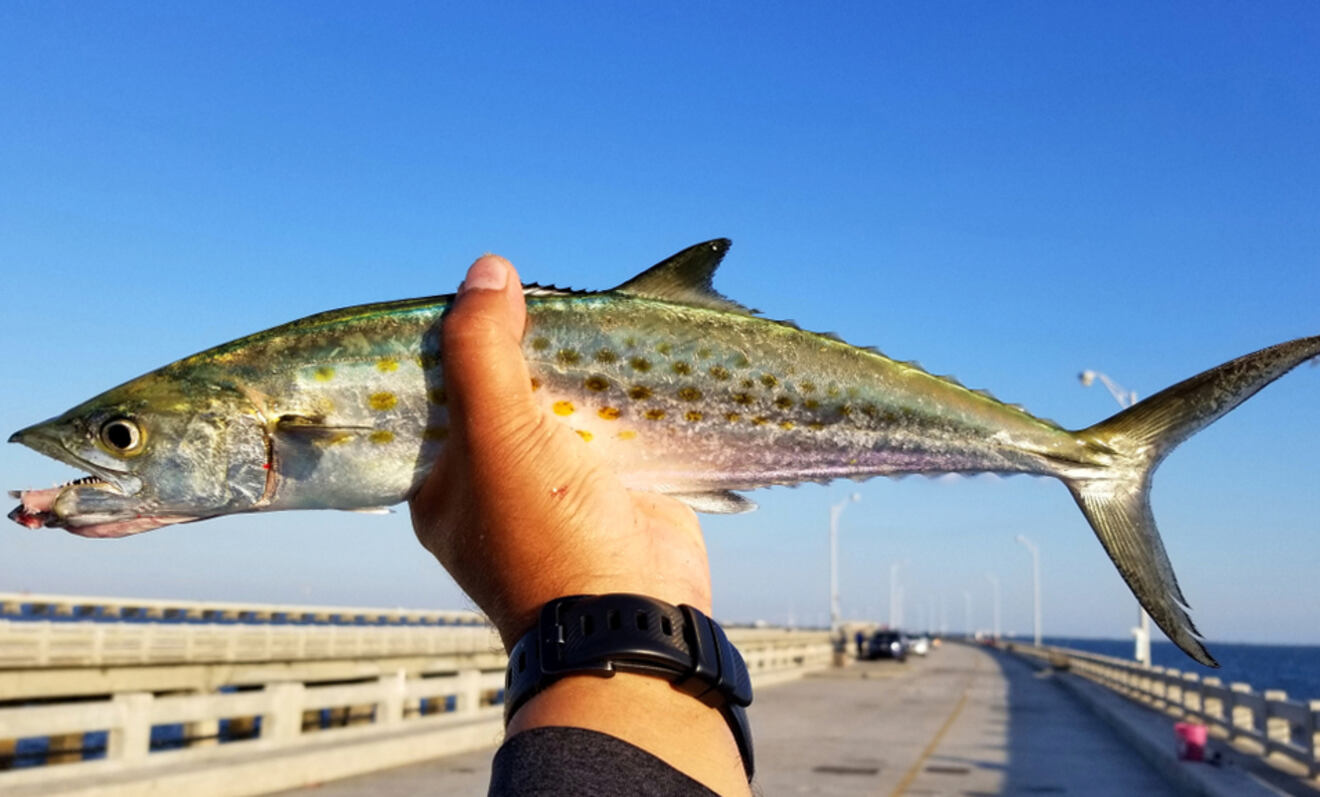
<point x="121" y="435"/>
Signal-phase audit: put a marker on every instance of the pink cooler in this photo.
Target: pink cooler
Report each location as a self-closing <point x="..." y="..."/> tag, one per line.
<point x="1191" y="740"/>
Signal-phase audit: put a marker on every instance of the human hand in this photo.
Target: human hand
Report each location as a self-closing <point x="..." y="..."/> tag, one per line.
<point x="518" y="509"/>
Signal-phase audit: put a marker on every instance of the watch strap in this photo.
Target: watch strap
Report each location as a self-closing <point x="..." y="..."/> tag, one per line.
<point x="621" y="632"/>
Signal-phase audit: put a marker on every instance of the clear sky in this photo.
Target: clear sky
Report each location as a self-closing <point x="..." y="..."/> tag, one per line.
<point x="1006" y="192"/>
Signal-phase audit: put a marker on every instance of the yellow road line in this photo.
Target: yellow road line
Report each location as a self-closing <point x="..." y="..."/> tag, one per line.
<point x="915" y="769"/>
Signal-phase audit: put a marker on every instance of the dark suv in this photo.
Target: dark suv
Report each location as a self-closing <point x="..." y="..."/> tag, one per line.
<point x="886" y="645"/>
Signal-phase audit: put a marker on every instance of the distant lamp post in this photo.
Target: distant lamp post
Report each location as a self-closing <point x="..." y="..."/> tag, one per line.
<point x="994" y="583"/>
<point x="967" y="614"/>
<point x="1125" y="399"/>
<point x="1035" y="582"/>
<point x="835" y="511"/>
<point x="895" y="595"/>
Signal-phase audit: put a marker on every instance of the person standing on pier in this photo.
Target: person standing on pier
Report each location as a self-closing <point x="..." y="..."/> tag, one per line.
<point x="521" y="513"/>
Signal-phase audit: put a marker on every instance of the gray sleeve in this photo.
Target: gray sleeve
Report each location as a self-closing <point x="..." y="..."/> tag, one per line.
<point x="575" y="761"/>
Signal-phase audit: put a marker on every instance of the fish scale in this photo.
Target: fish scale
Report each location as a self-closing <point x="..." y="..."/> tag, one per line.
<point x="678" y="389"/>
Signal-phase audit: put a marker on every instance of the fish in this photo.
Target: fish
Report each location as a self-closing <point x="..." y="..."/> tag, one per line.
<point x="679" y="389"/>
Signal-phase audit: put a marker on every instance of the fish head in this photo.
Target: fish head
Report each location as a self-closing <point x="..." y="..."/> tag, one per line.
<point x="161" y="449"/>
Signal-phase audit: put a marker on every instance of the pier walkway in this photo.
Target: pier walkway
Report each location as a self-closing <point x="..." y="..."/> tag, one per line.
<point x="962" y="721"/>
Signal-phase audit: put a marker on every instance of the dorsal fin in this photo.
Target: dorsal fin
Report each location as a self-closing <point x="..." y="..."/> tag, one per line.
<point x="685" y="277"/>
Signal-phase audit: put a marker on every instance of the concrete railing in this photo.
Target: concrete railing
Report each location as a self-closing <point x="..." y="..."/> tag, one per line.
<point x="44" y="643"/>
<point x="415" y="693"/>
<point x="1267" y="723"/>
<point x="30" y="606"/>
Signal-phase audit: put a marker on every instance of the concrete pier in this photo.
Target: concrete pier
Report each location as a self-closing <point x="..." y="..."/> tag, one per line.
<point x="962" y="721"/>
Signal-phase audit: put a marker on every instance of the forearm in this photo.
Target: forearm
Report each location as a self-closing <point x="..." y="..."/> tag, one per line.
<point x="649" y="713"/>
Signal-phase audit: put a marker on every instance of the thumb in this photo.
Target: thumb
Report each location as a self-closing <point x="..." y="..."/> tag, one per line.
<point x="485" y="374"/>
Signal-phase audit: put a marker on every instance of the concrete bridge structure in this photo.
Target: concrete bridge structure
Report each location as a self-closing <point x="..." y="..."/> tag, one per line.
<point x="371" y="701"/>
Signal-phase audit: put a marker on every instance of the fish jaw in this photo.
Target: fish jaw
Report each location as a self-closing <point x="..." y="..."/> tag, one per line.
<point x="58" y="507"/>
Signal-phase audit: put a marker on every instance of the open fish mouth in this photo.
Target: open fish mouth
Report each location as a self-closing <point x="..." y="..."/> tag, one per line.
<point x="37" y="509"/>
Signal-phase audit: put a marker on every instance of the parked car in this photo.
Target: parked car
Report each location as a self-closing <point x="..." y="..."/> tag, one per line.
<point x="920" y="644"/>
<point x="886" y="645"/>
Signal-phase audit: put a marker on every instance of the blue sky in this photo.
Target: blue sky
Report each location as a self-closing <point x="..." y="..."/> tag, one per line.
<point x="1005" y="192"/>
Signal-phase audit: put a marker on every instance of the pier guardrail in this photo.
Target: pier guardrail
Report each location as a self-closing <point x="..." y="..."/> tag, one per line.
<point x="312" y="702"/>
<point x="1266" y="723"/>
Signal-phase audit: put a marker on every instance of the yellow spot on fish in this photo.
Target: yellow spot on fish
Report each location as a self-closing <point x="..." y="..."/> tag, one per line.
<point x="815" y="426"/>
<point x="568" y="356"/>
<point x="540" y="344"/>
<point x="596" y="383"/>
<point x="786" y="425"/>
<point x="748" y="384"/>
<point x="808" y="387"/>
<point x="339" y="437"/>
<point x="585" y="435"/>
<point x="733" y="417"/>
<point x="811" y="404"/>
<point x="627" y="434"/>
<point x="769" y="380"/>
<point x="760" y="420"/>
<point x="703" y="353"/>
<point x="324" y="374"/>
<point x="833" y="390"/>
<point x="640" y="363"/>
<point x="387" y="364"/>
<point x="719" y="372"/>
<point x="381" y="436"/>
<point x="689" y="394"/>
<point x="563" y="408"/>
<point x="606" y="356"/>
<point x="382" y="401"/>
<point x="693" y="416"/>
<point x="845" y="410"/>
<point x="639" y="392"/>
<point x="663" y="348"/>
<point x="437" y="395"/>
<point x="608" y="413"/>
<point x="681" y="368"/>
<point x="783" y="402"/>
<point x="742" y="398"/>
<point x="655" y="415"/>
<point x="435" y="433"/>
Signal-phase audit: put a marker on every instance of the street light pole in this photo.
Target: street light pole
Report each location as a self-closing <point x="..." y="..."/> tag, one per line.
<point x="893" y="594"/>
<point x="1125" y="399"/>
<point x="994" y="582"/>
<point x="835" y="511"/>
<point x="967" y="613"/>
<point x="1035" y="581"/>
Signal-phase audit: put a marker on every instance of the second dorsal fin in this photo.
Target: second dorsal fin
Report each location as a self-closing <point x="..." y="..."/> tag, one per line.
<point x="686" y="277"/>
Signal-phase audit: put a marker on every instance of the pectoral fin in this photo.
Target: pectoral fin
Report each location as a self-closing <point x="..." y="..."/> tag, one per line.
<point x="716" y="503"/>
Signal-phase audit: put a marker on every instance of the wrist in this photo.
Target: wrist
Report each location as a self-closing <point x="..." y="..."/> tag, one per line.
<point x="692" y="668"/>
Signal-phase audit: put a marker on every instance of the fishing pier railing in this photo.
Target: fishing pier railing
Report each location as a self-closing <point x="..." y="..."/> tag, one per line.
<point x="1268" y="724"/>
<point x="235" y="699"/>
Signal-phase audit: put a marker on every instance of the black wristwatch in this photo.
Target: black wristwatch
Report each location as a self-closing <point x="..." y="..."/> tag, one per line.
<point x="604" y="634"/>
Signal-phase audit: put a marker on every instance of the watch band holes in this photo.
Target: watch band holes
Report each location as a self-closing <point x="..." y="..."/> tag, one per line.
<point x="666" y="627"/>
<point x="612" y="620"/>
<point x="642" y="621"/>
<point x="588" y="625"/>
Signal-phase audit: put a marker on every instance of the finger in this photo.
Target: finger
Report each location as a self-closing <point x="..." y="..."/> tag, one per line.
<point x="485" y="374"/>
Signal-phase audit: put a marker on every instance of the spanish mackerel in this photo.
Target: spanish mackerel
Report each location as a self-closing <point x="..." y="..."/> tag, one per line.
<point x="679" y="389"/>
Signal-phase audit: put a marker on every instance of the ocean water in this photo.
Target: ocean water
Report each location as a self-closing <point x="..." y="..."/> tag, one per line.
<point x="1292" y="668"/>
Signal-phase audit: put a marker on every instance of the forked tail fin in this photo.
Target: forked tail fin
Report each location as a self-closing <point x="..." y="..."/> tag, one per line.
<point x="1117" y="503"/>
